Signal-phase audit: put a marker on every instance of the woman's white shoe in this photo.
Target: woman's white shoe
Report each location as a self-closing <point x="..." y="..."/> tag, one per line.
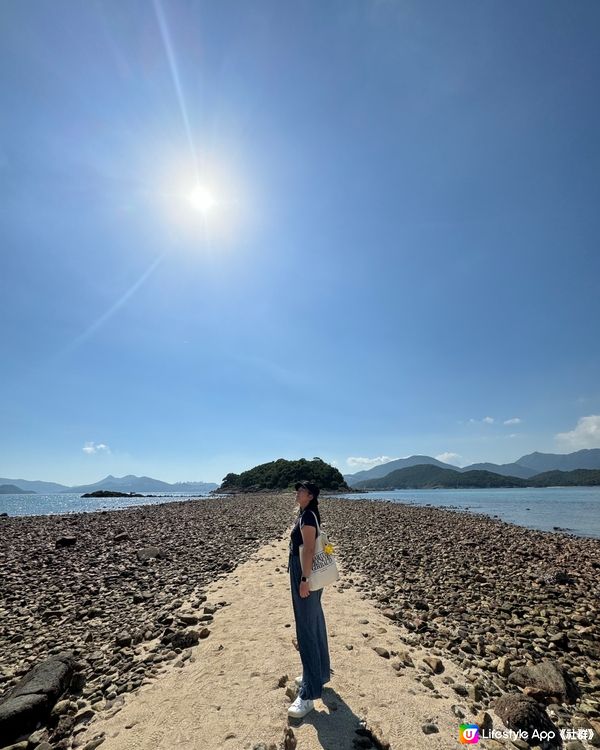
<point x="300" y="708"/>
<point x="298" y="681"/>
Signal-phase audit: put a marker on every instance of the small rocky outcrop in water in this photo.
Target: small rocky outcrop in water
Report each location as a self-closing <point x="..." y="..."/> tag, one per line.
<point x="112" y="493"/>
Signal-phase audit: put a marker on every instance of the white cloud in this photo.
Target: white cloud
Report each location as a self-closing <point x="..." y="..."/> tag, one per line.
<point x="449" y="458"/>
<point x="485" y="420"/>
<point x="92" y="447"/>
<point x="366" y="463"/>
<point x="514" y="420"/>
<point x="585" y="435"/>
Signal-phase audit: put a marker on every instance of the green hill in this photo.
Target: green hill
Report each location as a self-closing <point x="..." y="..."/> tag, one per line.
<point x="283" y="474"/>
<point x="575" y="478"/>
<point x="427" y="476"/>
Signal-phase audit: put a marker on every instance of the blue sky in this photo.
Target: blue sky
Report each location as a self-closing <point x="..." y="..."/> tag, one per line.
<point x="395" y="249"/>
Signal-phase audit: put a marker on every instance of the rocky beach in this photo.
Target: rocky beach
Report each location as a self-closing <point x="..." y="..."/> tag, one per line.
<point x="115" y="601"/>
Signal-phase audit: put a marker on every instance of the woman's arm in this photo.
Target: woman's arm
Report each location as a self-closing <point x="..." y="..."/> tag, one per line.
<point x="309" y="538"/>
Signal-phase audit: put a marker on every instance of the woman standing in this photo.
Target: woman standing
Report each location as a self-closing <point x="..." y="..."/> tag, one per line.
<point x="311" y="632"/>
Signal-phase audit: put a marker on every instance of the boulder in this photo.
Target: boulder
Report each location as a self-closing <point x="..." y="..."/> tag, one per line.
<point x="522" y="712"/>
<point x="547" y="681"/>
<point x="29" y="703"/>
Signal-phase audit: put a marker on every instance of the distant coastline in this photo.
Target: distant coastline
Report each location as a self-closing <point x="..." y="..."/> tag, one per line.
<point x="429" y="476"/>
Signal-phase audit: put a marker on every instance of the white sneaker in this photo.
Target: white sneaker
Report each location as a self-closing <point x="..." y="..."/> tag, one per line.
<point x="298" y="681"/>
<point x="300" y="708"/>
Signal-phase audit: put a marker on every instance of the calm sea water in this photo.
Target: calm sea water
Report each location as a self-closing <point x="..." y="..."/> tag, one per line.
<point x="72" y="502"/>
<point x="576" y="509"/>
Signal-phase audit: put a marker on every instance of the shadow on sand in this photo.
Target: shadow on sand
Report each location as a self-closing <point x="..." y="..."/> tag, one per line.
<point x="337" y="726"/>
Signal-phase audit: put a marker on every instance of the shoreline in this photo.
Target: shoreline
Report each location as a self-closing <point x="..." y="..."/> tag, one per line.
<point x="496" y="511"/>
<point x="482" y="592"/>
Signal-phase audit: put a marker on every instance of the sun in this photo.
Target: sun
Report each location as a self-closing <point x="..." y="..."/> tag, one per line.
<point x="202" y="200"/>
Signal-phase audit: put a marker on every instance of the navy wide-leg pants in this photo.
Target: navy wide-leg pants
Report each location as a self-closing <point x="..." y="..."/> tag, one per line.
<point x="311" y="634"/>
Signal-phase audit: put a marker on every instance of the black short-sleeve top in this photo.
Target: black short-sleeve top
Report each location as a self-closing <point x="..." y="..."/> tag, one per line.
<point x="306" y="518"/>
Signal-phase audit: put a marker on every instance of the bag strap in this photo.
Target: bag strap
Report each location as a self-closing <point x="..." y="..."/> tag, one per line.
<point x="317" y="520"/>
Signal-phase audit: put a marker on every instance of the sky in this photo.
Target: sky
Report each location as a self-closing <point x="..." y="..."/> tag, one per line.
<point x="235" y="232"/>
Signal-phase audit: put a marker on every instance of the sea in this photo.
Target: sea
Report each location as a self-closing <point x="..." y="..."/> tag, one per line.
<point x="71" y="502"/>
<point x="574" y="510"/>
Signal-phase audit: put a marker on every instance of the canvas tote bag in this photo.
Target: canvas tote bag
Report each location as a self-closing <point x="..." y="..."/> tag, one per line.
<point x="324" y="569"/>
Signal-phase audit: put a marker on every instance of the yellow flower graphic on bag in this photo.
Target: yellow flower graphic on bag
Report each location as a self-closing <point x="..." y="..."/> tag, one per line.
<point x="328" y="549"/>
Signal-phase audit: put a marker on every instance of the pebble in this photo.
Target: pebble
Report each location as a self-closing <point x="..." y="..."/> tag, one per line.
<point x="499" y="597"/>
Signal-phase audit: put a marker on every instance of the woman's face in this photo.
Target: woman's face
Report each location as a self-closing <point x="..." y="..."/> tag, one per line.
<point x="303" y="497"/>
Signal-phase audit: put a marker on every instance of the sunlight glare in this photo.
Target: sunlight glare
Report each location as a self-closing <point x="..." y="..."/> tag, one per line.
<point x="202" y="200"/>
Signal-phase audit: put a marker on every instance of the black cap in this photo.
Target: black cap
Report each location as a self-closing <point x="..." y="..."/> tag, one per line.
<point x="310" y="486"/>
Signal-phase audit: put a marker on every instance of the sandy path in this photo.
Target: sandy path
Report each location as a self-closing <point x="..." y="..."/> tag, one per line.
<point x="227" y="696"/>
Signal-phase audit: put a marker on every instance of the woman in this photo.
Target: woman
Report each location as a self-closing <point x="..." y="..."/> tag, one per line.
<point x="311" y="632"/>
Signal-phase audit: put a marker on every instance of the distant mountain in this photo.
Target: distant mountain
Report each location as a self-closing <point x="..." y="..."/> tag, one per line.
<point x="129" y="483"/>
<point x="585" y="459"/>
<point x="506" y="470"/>
<point x="427" y="476"/>
<point x="11" y="489"/>
<point x="132" y="483"/>
<point x="35" y="486"/>
<point x="524" y="468"/>
<point x="575" y="478"/>
<point x="383" y="470"/>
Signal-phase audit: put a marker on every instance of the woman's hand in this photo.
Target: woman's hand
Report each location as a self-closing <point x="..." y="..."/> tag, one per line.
<point x="304" y="589"/>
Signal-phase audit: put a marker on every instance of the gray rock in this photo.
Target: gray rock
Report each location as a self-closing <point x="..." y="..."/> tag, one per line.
<point x="147" y="553"/>
<point x="503" y="667"/>
<point x="123" y="639"/>
<point x="31" y="700"/>
<point x="185" y="639"/>
<point x="436" y="664"/>
<point x="547" y="681"/>
<point x="382" y="651"/>
<point x="93" y="744"/>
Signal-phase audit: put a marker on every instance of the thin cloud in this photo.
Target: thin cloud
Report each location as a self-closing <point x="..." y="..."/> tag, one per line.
<point x="586" y="434"/>
<point x="91" y="447"/>
<point x="357" y="462"/>
<point x="514" y="420"/>
<point x="485" y="420"/>
<point x="450" y="458"/>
